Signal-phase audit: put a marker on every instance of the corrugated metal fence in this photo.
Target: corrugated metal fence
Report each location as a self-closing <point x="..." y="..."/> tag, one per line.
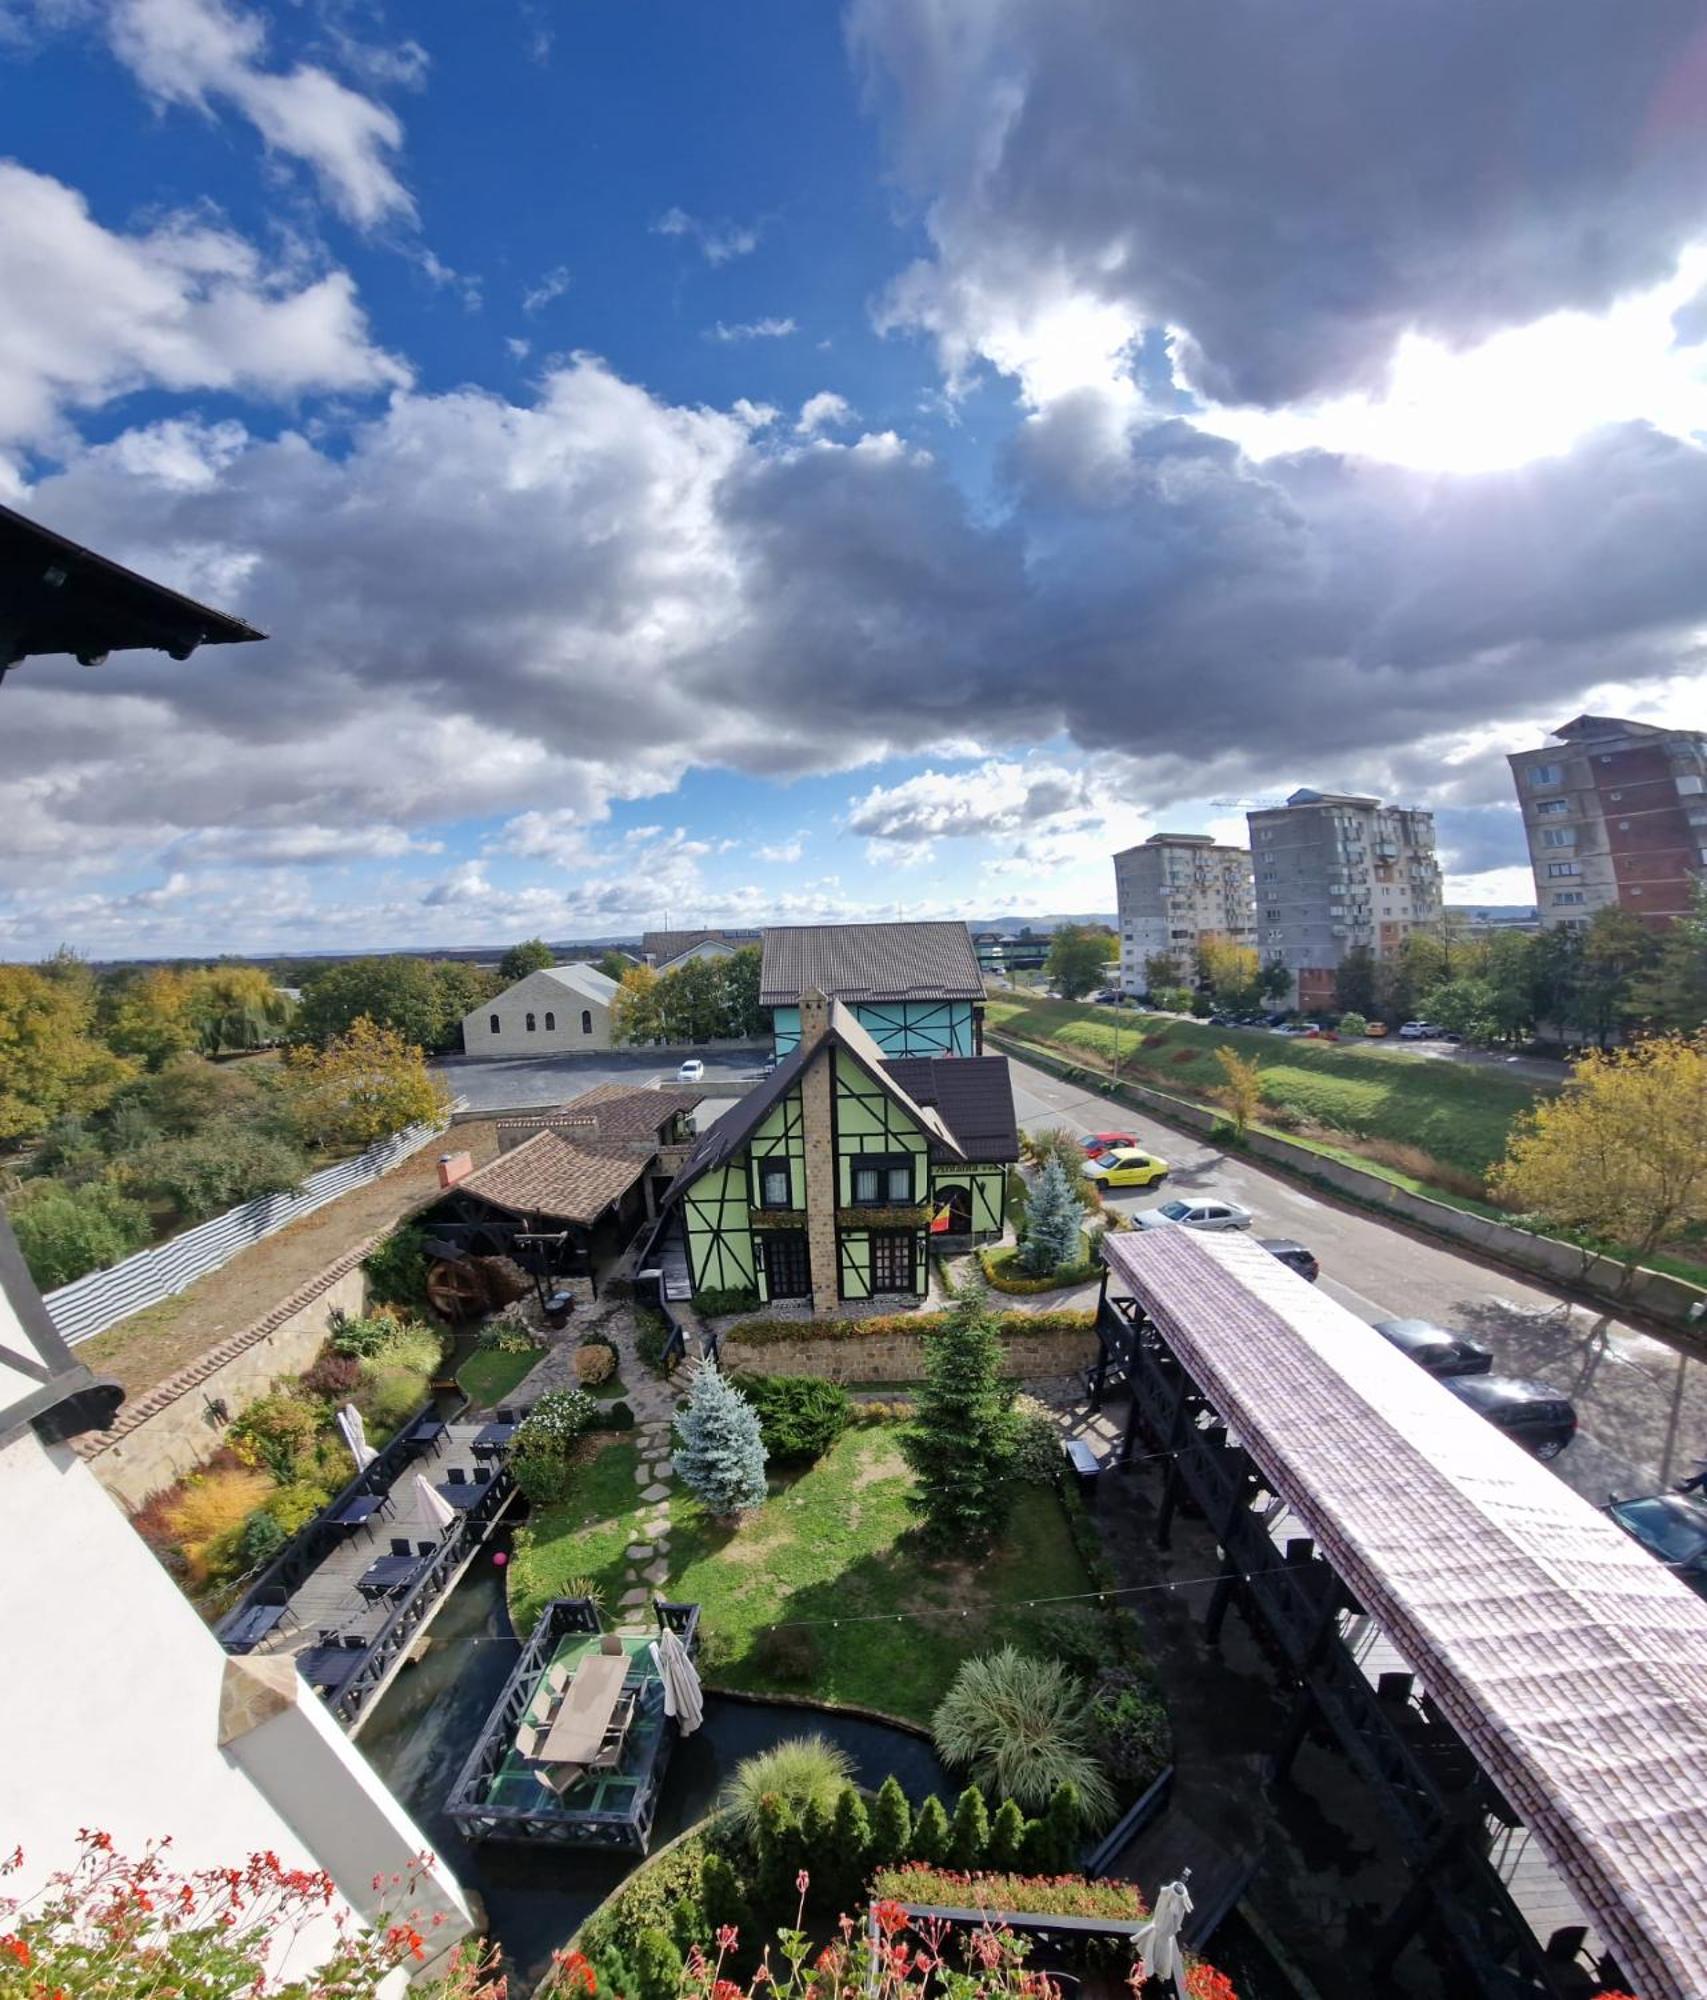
<point x="91" y="1304"/>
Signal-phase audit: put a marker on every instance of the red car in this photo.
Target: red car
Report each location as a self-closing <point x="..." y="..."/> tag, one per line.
<point x="1098" y="1143"/>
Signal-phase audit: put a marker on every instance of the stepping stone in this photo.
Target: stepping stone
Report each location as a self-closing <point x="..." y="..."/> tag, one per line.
<point x="639" y="1552"/>
<point x="630" y="1598"/>
<point x="656" y="1493"/>
<point x="657" y="1573"/>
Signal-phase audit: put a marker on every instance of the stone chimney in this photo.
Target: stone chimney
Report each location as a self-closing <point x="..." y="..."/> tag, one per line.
<point x="814" y="1017"/>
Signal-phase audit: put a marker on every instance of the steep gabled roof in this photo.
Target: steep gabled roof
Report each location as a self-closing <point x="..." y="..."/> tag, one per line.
<point x="662" y="946"/>
<point x="608" y="1113"/>
<point x="869" y="962"/>
<point x="587" y="980"/>
<point x="973" y="1095"/>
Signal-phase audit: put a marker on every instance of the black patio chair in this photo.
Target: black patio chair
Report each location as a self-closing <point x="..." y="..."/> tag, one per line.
<point x="400" y="1546"/>
<point x="458" y="1475"/>
<point x="482" y="1475"/>
<point x="426" y="1548"/>
<point x="506" y="1415"/>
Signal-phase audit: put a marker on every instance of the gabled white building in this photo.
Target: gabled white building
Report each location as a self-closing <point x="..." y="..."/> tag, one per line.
<point x="557" y="1011"/>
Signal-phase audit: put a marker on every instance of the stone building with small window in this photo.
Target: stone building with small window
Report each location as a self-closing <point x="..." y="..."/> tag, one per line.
<point x="831" y="1181"/>
<point x="557" y="1011"/>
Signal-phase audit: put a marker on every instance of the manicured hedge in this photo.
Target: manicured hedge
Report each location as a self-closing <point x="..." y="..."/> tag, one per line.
<point x="1003" y="1272"/>
<point x="773" y="1332"/>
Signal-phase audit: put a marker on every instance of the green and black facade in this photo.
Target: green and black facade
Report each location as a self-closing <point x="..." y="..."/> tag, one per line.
<point x="831" y="1181"/>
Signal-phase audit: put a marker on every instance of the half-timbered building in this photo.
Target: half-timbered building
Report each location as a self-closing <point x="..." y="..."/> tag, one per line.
<point x="828" y="1183"/>
<point x="914" y="988"/>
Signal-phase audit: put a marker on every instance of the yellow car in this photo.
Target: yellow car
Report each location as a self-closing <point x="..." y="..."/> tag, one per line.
<point x="1375" y="1030"/>
<point x="1126" y="1166"/>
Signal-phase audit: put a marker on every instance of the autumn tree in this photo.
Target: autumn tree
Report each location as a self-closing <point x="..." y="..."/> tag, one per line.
<point x="363" y="1086"/>
<point x="1231" y="971"/>
<point x="1160" y="972"/>
<point x="635" y="1011"/>
<point x="51" y="1063"/>
<point x="237" y="1007"/>
<point x="747" y="1020"/>
<point x="613" y="964"/>
<point x="392" y="992"/>
<point x="1672" y="993"/>
<point x="1274" y="982"/>
<point x="1618" y="953"/>
<point x="532" y="955"/>
<point x="1354" y="982"/>
<point x="1620" y="1155"/>
<point x="460" y="987"/>
<point x="1241" y="1091"/>
<point x="149" y="1015"/>
<point x="1078" y="959"/>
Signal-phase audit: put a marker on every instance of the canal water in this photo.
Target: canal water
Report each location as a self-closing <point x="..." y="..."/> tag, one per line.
<point x="424" y="1726"/>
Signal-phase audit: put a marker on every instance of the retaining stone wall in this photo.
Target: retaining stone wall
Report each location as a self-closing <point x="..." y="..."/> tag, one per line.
<point x="169" y="1431"/>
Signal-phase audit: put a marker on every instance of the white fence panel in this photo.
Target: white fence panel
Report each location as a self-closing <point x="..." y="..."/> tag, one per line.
<point x="91" y="1304"/>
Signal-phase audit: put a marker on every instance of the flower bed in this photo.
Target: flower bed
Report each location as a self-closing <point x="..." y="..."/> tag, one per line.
<point x="774" y="1332"/>
<point x="1005" y="1272"/>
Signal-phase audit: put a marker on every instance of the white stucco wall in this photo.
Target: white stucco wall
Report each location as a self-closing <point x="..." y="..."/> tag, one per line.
<point x="539" y="994"/>
<point x="110" y="1706"/>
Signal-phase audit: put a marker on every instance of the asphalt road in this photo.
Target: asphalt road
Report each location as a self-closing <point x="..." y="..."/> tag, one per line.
<point x="1641" y="1403"/>
<point x="513" y="1082"/>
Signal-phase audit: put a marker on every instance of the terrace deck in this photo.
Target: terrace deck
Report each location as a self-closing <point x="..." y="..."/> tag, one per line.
<point x="517" y="1783"/>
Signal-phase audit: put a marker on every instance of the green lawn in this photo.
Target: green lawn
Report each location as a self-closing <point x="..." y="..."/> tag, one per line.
<point x="488" y="1376"/>
<point x="1459" y="1114"/>
<point x="833" y="1543"/>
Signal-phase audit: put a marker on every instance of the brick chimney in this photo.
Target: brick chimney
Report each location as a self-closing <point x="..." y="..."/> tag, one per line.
<point x="814" y="1017"/>
<point x="454" y="1167"/>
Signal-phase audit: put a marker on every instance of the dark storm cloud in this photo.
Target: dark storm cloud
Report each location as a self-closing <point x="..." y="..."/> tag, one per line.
<point x="1293" y="187"/>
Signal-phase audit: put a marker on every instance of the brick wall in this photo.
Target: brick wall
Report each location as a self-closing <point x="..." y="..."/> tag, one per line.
<point x="900" y="1357"/>
<point x="162" y="1435"/>
<point x="817" y="1124"/>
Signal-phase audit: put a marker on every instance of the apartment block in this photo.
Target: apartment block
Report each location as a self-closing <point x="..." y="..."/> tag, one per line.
<point x="1616" y="817"/>
<point x="1335" y="870"/>
<point x="1173" y="890"/>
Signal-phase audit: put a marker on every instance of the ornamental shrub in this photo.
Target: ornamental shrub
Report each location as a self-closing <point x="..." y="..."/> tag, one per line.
<point x="542" y="1450"/>
<point x="891" y="1823"/>
<point x="261" y="1540"/>
<point x="1129" y="1728"/>
<point x="332" y="1376"/>
<point x="931" y="1833"/>
<point x="1037" y="1443"/>
<point x="275" y="1431"/>
<point x="294" y="1506"/>
<point x="720" y="1452"/>
<point x="801" y="1771"/>
<point x="1055" y="1896"/>
<point x="1052" y="1217"/>
<point x="397" y="1269"/>
<point x="1007" y="1836"/>
<point x="961" y="1443"/>
<point x="969" y="1837"/>
<point x="65" y="1231"/>
<point x="362" y="1334"/>
<point x="595" y="1362"/>
<point x="612" y="1417"/>
<point x="774" y="1332"/>
<point x="657" y="1966"/>
<point x="1018" y="1727"/>
<point x="388" y="1396"/>
<point x="800" y="1416"/>
<point x="780" y="1854"/>
<point x="715" y="1300"/>
<point x="850" y="1851"/>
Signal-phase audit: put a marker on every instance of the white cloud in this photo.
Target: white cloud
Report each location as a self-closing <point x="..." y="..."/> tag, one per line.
<point x="552" y="286"/>
<point x="201" y="52"/>
<point x="826" y="410"/>
<point x="781" y="851"/>
<point x="719" y="242"/>
<point x="752" y="329"/>
<point x="187" y="306"/>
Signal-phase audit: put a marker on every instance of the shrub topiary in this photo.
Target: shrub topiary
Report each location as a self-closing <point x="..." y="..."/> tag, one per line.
<point x="850" y="1849"/>
<point x="1037" y="1443"/>
<point x="800" y="1416"/>
<point x="657" y="1966"/>
<point x="891" y="1824"/>
<point x="714" y="1301"/>
<point x="969" y="1836"/>
<point x="931" y="1834"/>
<point x="1007" y="1837"/>
<point x="595" y="1362"/>
<point x="612" y="1417"/>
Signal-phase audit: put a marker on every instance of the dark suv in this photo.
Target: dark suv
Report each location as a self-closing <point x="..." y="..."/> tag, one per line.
<point x="1436" y="1348"/>
<point x="1293" y="1255"/>
<point x="1532" y="1414"/>
<point x="1671" y="1527"/>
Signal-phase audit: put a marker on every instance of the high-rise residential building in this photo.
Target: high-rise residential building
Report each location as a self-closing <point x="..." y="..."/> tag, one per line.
<point x="1173" y="891"/>
<point x="1335" y="870"/>
<point x="1616" y="815"/>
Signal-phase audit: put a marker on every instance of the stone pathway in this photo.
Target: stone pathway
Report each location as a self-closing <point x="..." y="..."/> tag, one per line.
<point x="653" y="1402"/>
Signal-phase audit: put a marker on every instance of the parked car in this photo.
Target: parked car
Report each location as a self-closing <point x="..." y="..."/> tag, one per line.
<point x="1095" y="1144"/>
<point x="1109" y="999"/>
<point x="1274" y="1020"/>
<point x="1289" y="1028"/>
<point x="1532" y="1414"/>
<point x="1293" y="1255"/>
<point x="1126" y="1166"/>
<point x="1671" y="1527"/>
<point x="1203" y="1212"/>
<point x="1220" y="1021"/>
<point x="1375" y="1030"/>
<point x="1436" y="1348"/>
<point x="692" y="1071"/>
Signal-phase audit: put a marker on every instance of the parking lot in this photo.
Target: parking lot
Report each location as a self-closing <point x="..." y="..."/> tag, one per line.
<point x="1641" y="1403"/>
<point x="511" y="1084"/>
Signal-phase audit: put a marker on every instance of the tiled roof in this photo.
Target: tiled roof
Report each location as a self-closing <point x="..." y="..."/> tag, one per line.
<point x="587" y="980"/>
<point x="548" y="1175"/>
<point x="1572" y="1664"/>
<point x="609" y="1111"/>
<point x="661" y="946"/>
<point x="973" y="1095"/>
<point x="869" y="962"/>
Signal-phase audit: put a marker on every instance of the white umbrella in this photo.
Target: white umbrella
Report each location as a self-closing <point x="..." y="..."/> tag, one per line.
<point x="355" y="1436"/>
<point x="682" y="1696"/>
<point x="1160" y="1955"/>
<point x="435" y="1508"/>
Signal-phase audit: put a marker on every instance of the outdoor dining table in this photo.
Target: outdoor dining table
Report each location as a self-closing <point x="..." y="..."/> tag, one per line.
<point x="328" y="1668"/>
<point x="492" y="1438"/>
<point x="359" y="1512"/>
<point x="249" y="1628"/>
<point x="468" y="1494"/>
<point x="588" y="1704"/>
<point x="427" y="1432"/>
<point x="390" y="1576"/>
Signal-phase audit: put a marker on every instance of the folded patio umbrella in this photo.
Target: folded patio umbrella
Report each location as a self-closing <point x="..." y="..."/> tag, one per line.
<point x="434" y="1506"/>
<point x="682" y="1696"/>
<point x="349" y="1422"/>
<point x="1161" y="1956"/>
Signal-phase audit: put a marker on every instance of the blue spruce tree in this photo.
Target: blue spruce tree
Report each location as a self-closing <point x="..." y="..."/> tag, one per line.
<point x="1052" y="1219"/>
<point x="719" y="1452"/>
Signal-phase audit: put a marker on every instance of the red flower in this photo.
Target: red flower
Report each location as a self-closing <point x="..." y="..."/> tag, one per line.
<point x="17" y="1948"/>
<point x="727" y="1989"/>
<point x="574" y="1969"/>
<point x="890" y="1915"/>
<point x="802" y="1882"/>
<point x="728" y="1937"/>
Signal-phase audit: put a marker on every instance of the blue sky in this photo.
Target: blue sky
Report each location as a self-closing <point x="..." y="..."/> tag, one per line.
<point x="773" y="462"/>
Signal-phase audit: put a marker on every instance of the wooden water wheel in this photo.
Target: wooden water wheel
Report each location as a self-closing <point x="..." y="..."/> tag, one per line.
<point x="457" y="1289"/>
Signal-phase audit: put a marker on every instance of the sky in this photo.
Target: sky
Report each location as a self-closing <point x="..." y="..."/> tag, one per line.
<point x="709" y="465"/>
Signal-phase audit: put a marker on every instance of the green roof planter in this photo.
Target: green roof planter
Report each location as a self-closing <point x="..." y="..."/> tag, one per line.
<point x="914" y="1215"/>
<point x="777" y="1218"/>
